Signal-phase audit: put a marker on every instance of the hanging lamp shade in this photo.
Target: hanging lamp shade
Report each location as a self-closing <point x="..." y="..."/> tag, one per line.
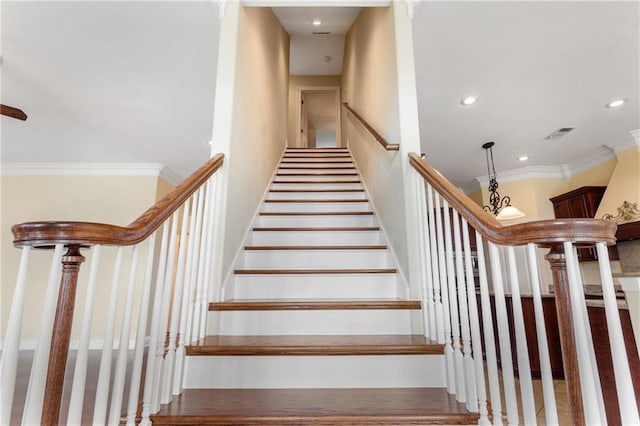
<point x="509" y="213"/>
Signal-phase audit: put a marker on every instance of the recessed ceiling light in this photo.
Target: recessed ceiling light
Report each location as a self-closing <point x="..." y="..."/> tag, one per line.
<point x="210" y="142"/>
<point x="615" y="103"/>
<point x="469" y="100"/>
<point x="316" y="22"/>
<point x="523" y="158"/>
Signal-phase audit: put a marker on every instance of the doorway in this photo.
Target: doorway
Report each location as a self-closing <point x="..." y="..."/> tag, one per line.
<point x="319" y="117"/>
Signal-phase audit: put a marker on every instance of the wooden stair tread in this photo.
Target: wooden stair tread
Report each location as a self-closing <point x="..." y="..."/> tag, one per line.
<point x="315" y="228"/>
<point x="316" y="181"/>
<point x="292" y="305"/>
<point x="316" y="213"/>
<point x="311" y="166"/>
<point x="371" y="247"/>
<point x="399" y="406"/>
<point x="303" y="200"/>
<point x="316" y="345"/>
<point x="316" y="190"/>
<point x="313" y="271"/>
<point x="317" y="160"/>
<point x="310" y="173"/>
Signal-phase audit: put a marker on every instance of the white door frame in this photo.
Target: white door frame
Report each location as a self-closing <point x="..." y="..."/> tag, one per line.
<point x="336" y="90"/>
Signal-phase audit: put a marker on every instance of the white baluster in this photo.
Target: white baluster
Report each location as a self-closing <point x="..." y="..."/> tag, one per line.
<point x="170" y="357"/>
<point x="136" y="371"/>
<point x="193" y="334"/>
<point x="522" y="350"/>
<point x="104" y="374"/>
<point x="150" y="385"/>
<point x="428" y="316"/>
<point x="32" y="412"/>
<point x="489" y="335"/>
<point x="186" y="298"/>
<point x="444" y="288"/>
<point x="9" y="360"/>
<point x="123" y="347"/>
<point x="476" y="341"/>
<point x="624" y="385"/>
<point x="433" y="244"/>
<point x="502" y="321"/>
<point x="165" y="368"/>
<point x="469" y="374"/>
<point x="453" y="305"/>
<point x="589" y="377"/>
<point x="207" y="233"/>
<point x="192" y="295"/>
<point x="80" y="372"/>
<point x="550" y="410"/>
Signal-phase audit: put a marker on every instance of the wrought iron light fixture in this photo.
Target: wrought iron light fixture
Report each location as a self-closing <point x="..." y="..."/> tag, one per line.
<point x="500" y="207"/>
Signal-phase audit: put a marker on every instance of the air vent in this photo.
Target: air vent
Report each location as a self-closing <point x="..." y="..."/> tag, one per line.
<point x="321" y="32"/>
<point x="560" y="133"/>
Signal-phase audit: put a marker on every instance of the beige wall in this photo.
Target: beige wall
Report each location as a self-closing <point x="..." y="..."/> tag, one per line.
<point x="108" y="199"/>
<point x="295" y="82"/>
<point x="258" y="131"/>
<point x="373" y="59"/>
<point x="624" y="184"/>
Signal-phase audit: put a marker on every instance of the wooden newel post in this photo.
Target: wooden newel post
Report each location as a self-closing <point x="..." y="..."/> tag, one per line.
<point x="61" y="336"/>
<point x="557" y="260"/>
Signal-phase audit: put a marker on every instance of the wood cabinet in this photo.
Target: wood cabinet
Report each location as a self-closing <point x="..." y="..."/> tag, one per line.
<point x="582" y="203"/>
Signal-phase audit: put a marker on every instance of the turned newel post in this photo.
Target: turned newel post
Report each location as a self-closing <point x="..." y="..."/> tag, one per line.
<point x="557" y="260"/>
<point x="71" y="262"/>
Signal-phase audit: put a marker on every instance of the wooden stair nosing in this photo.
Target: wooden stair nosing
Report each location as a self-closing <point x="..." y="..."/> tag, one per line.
<point x="306" y="160"/>
<point x="320" y="345"/>
<point x="319" y="407"/>
<point x="314" y="167"/>
<point x="367" y="213"/>
<point x="311" y="305"/>
<point x="314" y="229"/>
<point x="311" y="248"/>
<point x="318" y="200"/>
<point x="314" y="271"/>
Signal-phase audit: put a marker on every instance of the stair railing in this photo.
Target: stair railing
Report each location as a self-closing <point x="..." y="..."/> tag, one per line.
<point x="458" y="310"/>
<point x="166" y="256"/>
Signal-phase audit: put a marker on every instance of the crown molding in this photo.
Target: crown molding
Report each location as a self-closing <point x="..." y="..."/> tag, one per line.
<point x="90" y="169"/>
<point x="531" y="172"/>
<point x="589" y="160"/>
<point x="623" y="143"/>
<point x="470" y="187"/>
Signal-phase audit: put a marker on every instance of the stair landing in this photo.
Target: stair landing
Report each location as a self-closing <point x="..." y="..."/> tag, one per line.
<point x="399" y="406"/>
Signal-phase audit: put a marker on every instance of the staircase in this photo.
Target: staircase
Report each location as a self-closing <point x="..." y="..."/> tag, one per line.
<point x="316" y="326"/>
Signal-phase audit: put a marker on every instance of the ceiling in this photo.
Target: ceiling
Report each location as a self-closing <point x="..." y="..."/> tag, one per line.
<point x="130" y="81"/>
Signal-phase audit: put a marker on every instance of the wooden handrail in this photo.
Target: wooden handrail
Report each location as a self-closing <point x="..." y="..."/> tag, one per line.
<point x="385" y="144"/>
<point x="12" y="112"/>
<point x="47" y="234"/>
<point x="546" y="233"/>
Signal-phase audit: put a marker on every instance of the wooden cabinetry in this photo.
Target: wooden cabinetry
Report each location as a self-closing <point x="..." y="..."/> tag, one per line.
<point x="580" y="203"/>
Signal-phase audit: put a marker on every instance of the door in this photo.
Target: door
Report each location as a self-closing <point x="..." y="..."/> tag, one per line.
<point x="319" y="118"/>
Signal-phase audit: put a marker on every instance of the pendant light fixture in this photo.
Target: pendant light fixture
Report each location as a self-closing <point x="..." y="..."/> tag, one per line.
<point x="500" y="207"/>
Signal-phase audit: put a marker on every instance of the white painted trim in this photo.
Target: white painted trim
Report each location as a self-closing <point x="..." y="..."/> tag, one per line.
<point x="531" y="172"/>
<point x="90" y="169"/>
<point x="335" y="89"/>
<point x="470" y="187"/>
<point x="591" y="159"/>
<point x="628" y="141"/>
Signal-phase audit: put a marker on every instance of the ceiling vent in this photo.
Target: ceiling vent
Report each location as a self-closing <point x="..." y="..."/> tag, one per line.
<point x="321" y="33"/>
<point x="559" y="133"/>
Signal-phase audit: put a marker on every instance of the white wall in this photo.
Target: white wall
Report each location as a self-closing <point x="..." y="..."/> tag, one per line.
<point x="249" y="118"/>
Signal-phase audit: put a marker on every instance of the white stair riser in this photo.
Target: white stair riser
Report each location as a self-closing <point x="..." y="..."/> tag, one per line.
<point x="315" y="238"/>
<point x="310" y="161"/>
<point x="325" y="322"/>
<point x="316" y="221"/>
<point x="324" y="173"/>
<point x="317" y="207"/>
<point x="316" y="179"/>
<point x="371" y="371"/>
<point x="316" y="287"/>
<point x="304" y="186"/>
<point x="315" y="259"/>
<point x="316" y="195"/>
<point x="315" y="165"/>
